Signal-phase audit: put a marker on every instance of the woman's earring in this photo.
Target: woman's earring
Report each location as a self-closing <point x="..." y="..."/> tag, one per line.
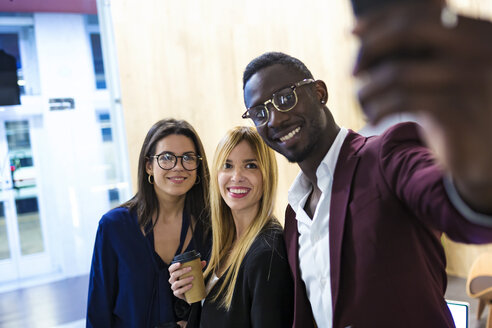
<point x="150" y="178"/>
<point x="323" y="101"/>
<point x="197" y="181"/>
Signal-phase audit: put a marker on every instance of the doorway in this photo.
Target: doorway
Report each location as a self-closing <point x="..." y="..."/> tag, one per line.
<point x="23" y="249"/>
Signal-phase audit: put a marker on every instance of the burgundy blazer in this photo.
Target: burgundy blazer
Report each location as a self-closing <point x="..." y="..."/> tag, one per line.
<point x="388" y="209"/>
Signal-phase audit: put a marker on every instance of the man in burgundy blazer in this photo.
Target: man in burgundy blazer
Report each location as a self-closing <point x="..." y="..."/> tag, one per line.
<point x="388" y="205"/>
<point x="388" y="209"/>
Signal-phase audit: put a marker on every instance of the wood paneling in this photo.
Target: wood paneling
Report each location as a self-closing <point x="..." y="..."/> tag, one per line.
<point x="185" y="59"/>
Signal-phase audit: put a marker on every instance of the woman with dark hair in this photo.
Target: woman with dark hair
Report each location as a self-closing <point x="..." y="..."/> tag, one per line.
<point x="137" y="241"/>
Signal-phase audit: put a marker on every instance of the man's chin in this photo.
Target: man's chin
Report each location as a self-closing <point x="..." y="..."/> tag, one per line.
<point x="292" y="155"/>
<point x="296" y="157"/>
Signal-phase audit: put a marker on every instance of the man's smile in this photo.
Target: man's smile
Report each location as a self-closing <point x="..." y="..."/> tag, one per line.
<point x="289" y="135"/>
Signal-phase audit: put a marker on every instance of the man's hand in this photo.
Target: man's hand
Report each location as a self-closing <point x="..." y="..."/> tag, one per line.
<point x="409" y="61"/>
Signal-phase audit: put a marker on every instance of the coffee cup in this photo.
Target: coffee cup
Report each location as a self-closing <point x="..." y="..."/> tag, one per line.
<point x="192" y="259"/>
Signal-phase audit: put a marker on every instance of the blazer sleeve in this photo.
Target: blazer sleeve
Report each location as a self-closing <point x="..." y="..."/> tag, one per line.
<point x="102" y="280"/>
<point x="271" y="287"/>
<point x="410" y="170"/>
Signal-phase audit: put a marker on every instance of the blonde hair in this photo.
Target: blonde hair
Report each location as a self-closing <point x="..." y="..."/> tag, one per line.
<point x="223" y="228"/>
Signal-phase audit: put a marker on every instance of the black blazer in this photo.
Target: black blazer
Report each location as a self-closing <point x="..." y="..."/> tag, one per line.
<point x="263" y="295"/>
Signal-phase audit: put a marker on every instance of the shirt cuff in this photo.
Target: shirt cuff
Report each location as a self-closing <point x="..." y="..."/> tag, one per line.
<point x="463" y="208"/>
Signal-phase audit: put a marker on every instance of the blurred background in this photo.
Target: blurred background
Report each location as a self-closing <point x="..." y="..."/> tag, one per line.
<point x="82" y="81"/>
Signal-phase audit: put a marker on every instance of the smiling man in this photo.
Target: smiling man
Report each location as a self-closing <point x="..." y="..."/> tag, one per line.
<point x="365" y="215"/>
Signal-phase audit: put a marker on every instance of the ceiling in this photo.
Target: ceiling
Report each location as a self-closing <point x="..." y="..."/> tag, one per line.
<point x="57" y="6"/>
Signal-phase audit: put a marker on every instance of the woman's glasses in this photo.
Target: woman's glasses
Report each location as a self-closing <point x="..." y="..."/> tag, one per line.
<point x="168" y="161"/>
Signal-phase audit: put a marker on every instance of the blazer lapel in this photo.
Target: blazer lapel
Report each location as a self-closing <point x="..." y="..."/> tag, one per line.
<point x="291" y="238"/>
<point x="303" y="315"/>
<point x="342" y="184"/>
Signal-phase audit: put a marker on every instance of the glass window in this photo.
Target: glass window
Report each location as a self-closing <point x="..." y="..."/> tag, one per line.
<point x="107" y="135"/>
<point x="4" y="241"/>
<point x="97" y="59"/>
<point x="31" y="238"/>
<point x="17" y="39"/>
<point x="18" y="135"/>
<point x="24" y="181"/>
<point x="114" y="196"/>
<point x="20" y="154"/>
<point x="11" y="81"/>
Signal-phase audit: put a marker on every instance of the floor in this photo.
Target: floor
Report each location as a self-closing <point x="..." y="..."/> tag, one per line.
<point x="62" y="304"/>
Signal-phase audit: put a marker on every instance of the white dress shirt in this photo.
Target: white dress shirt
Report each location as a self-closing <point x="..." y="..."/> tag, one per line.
<point x="210" y="284"/>
<point x="314" y="245"/>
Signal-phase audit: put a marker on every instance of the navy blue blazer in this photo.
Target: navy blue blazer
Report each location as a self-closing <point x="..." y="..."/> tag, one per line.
<point x="127" y="287"/>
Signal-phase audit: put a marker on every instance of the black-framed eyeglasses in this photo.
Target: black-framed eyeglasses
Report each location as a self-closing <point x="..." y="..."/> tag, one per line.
<point x="283" y="100"/>
<point x="167" y="161"/>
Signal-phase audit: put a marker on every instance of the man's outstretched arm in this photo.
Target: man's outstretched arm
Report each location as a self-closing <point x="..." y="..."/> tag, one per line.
<point x="416" y="57"/>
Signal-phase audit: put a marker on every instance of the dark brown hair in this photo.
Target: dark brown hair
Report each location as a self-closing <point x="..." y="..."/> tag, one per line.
<point x="145" y="202"/>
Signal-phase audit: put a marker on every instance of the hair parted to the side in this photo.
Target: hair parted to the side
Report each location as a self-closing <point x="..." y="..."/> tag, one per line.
<point x="223" y="228"/>
<point x="272" y="58"/>
<point x="145" y="201"/>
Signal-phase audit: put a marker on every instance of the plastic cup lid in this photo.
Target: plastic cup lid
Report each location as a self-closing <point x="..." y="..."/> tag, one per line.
<point x="186" y="257"/>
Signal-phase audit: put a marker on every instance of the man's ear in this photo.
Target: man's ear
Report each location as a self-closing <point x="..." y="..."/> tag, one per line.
<point x="321" y="91"/>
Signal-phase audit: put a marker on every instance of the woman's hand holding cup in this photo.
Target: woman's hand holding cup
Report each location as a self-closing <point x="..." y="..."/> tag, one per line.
<point x="180" y="285"/>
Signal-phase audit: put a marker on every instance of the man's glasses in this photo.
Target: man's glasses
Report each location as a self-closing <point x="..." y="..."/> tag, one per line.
<point x="167" y="161"/>
<point x="283" y="100"/>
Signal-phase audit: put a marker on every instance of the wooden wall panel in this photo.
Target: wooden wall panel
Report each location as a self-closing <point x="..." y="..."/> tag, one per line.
<point x="185" y="59"/>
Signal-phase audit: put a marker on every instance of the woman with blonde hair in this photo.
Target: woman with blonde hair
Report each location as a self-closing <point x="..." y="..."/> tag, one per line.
<point x="248" y="279"/>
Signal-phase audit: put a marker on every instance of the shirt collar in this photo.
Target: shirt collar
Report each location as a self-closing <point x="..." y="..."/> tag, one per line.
<point x="301" y="186"/>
